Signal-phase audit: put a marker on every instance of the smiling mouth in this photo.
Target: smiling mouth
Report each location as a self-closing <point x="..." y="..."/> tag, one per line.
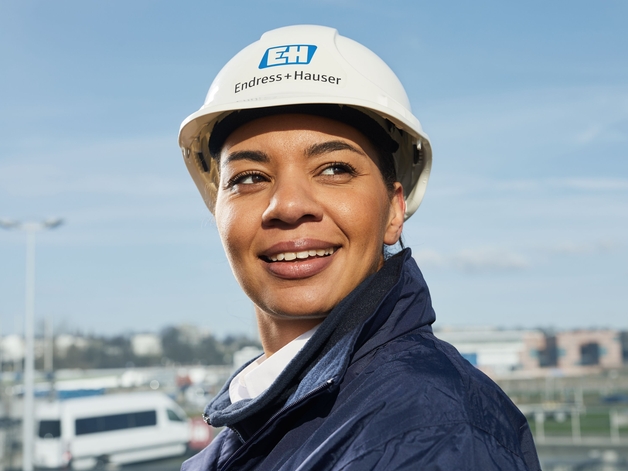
<point x="302" y="255"/>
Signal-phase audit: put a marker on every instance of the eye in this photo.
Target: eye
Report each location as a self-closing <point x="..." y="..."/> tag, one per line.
<point x="247" y="178"/>
<point x="338" y="168"/>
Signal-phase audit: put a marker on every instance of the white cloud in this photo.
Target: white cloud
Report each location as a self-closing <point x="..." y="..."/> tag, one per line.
<point x="480" y="260"/>
<point x="580" y="248"/>
<point x="511" y="186"/>
<point x="589" y="134"/>
<point x="487" y="259"/>
<point x="475" y="260"/>
<point x="430" y="258"/>
<point x="590" y="184"/>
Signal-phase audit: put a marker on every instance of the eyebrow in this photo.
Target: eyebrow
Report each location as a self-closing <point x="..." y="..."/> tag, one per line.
<point x="253" y="155"/>
<point x="312" y="151"/>
<point x="331" y="146"/>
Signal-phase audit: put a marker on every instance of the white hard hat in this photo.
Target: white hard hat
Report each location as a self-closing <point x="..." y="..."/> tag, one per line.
<point x="309" y="65"/>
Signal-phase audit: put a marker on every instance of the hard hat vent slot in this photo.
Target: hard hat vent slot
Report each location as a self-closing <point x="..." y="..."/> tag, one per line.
<point x="418" y="154"/>
<point x="202" y="161"/>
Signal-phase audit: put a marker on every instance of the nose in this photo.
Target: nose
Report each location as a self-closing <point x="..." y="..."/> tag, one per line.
<point x="292" y="202"/>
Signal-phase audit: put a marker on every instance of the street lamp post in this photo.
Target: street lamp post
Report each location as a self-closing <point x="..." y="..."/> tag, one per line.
<point x="28" y="416"/>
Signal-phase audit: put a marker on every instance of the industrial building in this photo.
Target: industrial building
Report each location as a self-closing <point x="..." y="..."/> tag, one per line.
<point x="530" y="353"/>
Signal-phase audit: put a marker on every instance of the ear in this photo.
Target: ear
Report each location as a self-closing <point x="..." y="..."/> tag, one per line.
<point x="396" y="216"/>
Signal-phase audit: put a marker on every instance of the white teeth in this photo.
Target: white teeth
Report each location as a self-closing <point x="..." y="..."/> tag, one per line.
<point x="289" y="256"/>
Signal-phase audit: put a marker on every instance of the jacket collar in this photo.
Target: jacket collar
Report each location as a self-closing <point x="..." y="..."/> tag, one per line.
<point x="355" y="326"/>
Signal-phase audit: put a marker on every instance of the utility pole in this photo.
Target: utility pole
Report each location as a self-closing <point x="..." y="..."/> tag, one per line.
<point x="28" y="418"/>
<point x="48" y="346"/>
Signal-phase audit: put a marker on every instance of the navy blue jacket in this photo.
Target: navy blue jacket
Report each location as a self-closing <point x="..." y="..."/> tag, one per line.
<point x="373" y="389"/>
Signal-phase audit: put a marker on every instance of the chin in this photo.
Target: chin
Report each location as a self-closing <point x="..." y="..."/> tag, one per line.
<point x="296" y="310"/>
<point x="298" y="315"/>
<point x="301" y="309"/>
<point x="309" y="298"/>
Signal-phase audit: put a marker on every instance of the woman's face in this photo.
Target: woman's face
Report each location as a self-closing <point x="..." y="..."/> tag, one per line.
<point x="303" y="212"/>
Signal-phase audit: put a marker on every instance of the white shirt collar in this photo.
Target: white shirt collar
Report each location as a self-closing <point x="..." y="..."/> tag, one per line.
<point x="260" y="374"/>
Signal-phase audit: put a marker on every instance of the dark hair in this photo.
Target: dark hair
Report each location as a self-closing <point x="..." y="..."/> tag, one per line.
<point x="386" y="165"/>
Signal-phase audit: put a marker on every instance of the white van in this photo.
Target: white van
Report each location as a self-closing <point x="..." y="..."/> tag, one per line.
<point x="86" y="432"/>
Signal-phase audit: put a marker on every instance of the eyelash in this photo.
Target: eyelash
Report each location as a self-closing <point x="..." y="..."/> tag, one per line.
<point x="350" y="169"/>
<point x="240" y="177"/>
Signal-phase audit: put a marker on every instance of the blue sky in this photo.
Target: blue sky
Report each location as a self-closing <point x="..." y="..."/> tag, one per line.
<point x="525" y="222"/>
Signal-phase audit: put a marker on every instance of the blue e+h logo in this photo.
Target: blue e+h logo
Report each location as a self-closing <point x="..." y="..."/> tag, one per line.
<point x="291" y="54"/>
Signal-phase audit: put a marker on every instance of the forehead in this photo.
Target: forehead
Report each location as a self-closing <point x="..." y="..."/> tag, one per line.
<point x="296" y="129"/>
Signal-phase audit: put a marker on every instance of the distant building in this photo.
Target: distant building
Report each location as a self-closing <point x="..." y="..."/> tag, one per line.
<point x="624" y="346"/>
<point x="536" y="353"/>
<point x="495" y="351"/>
<point x="193" y="335"/>
<point x="589" y="348"/>
<point x="64" y="342"/>
<point x="146" y="345"/>
<point x="12" y="348"/>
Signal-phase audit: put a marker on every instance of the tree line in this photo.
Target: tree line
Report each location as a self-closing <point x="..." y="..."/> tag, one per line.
<point x="177" y="347"/>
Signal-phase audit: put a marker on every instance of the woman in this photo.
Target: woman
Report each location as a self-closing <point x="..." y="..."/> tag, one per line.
<point x="308" y="156"/>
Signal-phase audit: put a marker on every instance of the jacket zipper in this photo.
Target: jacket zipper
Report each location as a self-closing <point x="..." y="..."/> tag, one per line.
<point x="308" y="396"/>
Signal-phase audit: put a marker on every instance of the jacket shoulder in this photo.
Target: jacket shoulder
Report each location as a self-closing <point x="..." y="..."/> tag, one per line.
<point x="428" y="378"/>
<point x="213" y="455"/>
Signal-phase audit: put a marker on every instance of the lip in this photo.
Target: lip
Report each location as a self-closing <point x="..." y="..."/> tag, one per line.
<point x="298" y="269"/>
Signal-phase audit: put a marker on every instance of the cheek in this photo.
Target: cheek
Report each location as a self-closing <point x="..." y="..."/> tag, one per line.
<point x="232" y="228"/>
<point x="364" y="217"/>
